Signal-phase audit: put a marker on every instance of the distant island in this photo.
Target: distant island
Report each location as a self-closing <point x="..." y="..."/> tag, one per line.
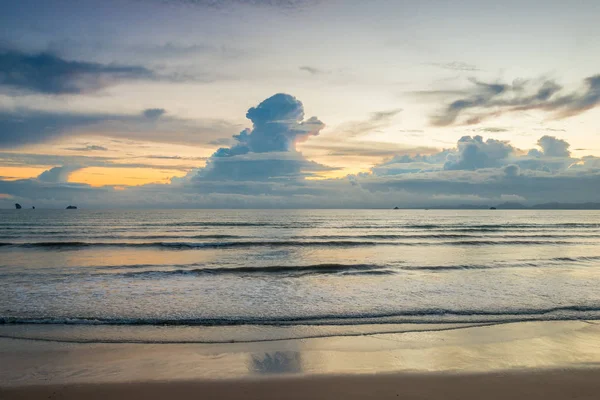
<point x="71" y="208"/>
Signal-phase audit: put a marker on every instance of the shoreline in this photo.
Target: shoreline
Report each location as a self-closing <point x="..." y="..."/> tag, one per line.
<point x="524" y="347"/>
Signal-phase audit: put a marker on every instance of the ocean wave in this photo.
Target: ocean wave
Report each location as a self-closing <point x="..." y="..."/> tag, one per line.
<point x="433" y="236"/>
<point x="431" y="315"/>
<point x="353" y="269"/>
<point x="90" y="236"/>
<point x="316" y="269"/>
<point x="576" y="259"/>
<point x="161" y="271"/>
<point x="453" y="236"/>
<point x="281" y="243"/>
<point x="297" y="224"/>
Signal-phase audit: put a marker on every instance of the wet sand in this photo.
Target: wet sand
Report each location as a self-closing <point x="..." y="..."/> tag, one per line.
<point x="533" y="360"/>
<point x="547" y="385"/>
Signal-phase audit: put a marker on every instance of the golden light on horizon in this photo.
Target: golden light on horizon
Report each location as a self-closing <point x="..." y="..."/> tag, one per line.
<point x="15" y="173"/>
<point x="102" y="176"/>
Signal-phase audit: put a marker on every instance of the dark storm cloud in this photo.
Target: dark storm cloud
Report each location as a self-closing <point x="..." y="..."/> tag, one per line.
<point x="48" y="73"/>
<point x="485" y="100"/>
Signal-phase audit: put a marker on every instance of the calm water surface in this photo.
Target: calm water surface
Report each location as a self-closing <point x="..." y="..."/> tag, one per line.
<point x="303" y="271"/>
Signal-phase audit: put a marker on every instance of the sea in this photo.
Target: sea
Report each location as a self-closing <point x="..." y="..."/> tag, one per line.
<point x="220" y="276"/>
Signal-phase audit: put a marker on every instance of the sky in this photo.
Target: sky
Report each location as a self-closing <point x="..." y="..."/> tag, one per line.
<point x="298" y="104"/>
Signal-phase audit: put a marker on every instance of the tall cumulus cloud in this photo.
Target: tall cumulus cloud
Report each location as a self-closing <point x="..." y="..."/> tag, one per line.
<point x="268" y="150"/>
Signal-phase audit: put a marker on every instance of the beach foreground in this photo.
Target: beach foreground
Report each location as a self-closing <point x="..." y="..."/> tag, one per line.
<point x="529" y="360"/>
<point x="547" y="385"/>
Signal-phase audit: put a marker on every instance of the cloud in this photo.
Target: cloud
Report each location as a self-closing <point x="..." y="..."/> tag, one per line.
<point x="486" y="100"/>
<point x="551" y="129"/>
<point x="384" y="115"/>
<point x="490" y="185"/>
<point x="222" y="142"/>
<point x="263" y="168"/>
<point x="161" y="157"/>
<point x="14" y="159"/>
<point x="277" y="127"/>
<point x="49" y="74"/>
<point x="268" y="150"/>
<point x="473" y="153"/>
<point x="492" y="129"/>
<point x="368" y="149"/>
<point x="58" y="174"/>
<point x="406" y="164"/>
<point x="553" y="147"/>
<point x="259" y="167"/>
<point x="92" y="147"/>
<point x="456" y="66"/>
<point x="26" y="126"/>
<point x="376" y="121"/>
<point x="312" y="70"/>
<point x="23" y="126"/>
<point x="153" y="113"/>
<point x="423" y="189"/>
<point x="512" y="170"/>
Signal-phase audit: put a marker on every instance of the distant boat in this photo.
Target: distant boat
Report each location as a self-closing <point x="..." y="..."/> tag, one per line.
<point x="33" y="207"/>
<point x="492" y="208"/>
<point x="71" y="208"/>
<point x="18" y="206"/>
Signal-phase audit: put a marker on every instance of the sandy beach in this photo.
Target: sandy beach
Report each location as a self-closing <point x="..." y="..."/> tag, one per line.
<point x="546" y="385"/>
<point x="537" y="360"/>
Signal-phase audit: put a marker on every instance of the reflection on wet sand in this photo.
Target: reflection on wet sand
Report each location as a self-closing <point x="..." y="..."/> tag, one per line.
<point x="277" y="362"/>
<point x="517" y="346"/>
